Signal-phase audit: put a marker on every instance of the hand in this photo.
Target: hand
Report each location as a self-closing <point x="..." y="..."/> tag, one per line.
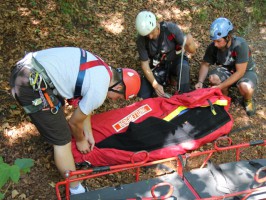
<point x="159" y="90"/>
<point x="215" y="86"/>
<point x="83" y="146"/>
<point x="91" y="141"/>
<point x="199" y="85"/>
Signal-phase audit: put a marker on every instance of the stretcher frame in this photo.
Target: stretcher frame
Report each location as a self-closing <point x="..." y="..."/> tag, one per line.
<point x="217" y="147"/>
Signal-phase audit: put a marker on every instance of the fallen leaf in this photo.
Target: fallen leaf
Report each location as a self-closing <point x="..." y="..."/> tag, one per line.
<point x="5" y="125"/>
<point x="52" y="184"/>
<point x="22" y="196"/>
<point x="14" y="194"/>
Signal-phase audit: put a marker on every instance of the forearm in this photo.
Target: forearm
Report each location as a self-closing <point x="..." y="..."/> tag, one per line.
<point x="190" y="44"/>
<point x="77" y="131"/>
<point x="240" y="71"/>
<point x="231" y="80"/>
<point x="87" y="127"/>
<point x="76" y="123"/>
<point x="203" y="72"/>
<point x="148" y="73"/>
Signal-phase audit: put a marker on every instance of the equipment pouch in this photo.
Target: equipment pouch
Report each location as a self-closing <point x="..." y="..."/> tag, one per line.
<point x="161" y="75"/>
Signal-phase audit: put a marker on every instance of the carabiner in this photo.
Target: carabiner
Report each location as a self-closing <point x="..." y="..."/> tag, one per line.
<point x="54" y="110"/>
<point x="33" y="78"/>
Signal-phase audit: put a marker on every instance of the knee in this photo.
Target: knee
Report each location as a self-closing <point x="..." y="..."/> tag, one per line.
<point x="214" y="79"/>
<point x="245" y="87"/>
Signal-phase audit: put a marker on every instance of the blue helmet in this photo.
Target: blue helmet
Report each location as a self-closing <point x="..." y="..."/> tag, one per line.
<point x="220" y="28"/>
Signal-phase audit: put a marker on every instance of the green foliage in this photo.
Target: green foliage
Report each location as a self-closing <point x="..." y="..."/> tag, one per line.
<point x="33" y="3"/>
<point x="259" y="10"/>
<point x="73" y="13"/>
<point x="11" y="173"/>
<point x="202" y="15"/>
<point x="66" y="7"/>
<point x="24" y="164"/>
<point x="13" y="106"/>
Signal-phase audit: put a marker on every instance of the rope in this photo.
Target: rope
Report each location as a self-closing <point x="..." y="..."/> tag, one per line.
<point x="182" y="58"/>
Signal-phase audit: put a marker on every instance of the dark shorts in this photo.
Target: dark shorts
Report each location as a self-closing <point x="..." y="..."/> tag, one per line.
<point x="53" y="127"/>
<point x="249" y="76"/>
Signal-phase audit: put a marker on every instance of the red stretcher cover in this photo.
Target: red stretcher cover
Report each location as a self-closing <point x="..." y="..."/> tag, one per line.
<point x="107" y="124"/>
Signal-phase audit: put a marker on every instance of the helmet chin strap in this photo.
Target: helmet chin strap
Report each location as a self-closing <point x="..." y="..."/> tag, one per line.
<point x="118" y="70"/>
<point x="116" y="91"/>
<point x="227" y="41"/>
<point x="226" y="45"/>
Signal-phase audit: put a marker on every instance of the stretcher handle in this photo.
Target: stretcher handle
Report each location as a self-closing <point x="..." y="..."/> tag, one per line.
<point x="218" y="147"/>
<point x="169" y="194"/>
<point x="258" y="173"/>
<point x="147" y="155"/>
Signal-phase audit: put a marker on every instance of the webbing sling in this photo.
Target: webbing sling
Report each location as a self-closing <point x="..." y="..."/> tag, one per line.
<point x="179" y="109"/>
<point x="40" y="69"/>
<point x="29" y="109"/>
<point x="33" y="109"/>
<point x="84" y="65"/>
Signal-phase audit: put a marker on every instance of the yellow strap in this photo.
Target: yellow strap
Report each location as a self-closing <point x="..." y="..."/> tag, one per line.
<point x="174" y="113"/>
<point x="219" y="102"/>
<point x="178" y="110"/>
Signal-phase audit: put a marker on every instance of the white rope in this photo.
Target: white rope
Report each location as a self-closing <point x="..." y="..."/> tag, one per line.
<point x="182" y="58"/>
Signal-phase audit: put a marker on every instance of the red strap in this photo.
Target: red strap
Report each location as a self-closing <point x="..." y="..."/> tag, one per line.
<point x="171" y="36"/>
<point x="89" y="64"/>
<point x="95" y="63"/>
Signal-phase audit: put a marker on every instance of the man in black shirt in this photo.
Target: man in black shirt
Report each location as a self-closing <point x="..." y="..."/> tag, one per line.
<point x="234" y="64"/>
<point x="160" y="50"/>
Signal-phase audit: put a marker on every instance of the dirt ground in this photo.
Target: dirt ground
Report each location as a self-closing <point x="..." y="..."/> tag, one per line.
<point x="107" y="29"/>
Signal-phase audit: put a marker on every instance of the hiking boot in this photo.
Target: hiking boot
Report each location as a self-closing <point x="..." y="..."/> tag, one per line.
<point x="250" y="107"/>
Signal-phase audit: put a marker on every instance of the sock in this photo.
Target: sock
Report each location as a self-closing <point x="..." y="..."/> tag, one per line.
<point x="77" y="190"/>
<point x="248" y="100"/>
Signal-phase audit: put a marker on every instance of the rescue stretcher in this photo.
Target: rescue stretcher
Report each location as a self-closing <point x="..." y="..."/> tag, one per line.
<point x="189" y="121"/>
<point x="163" y="127"/>
<point x="242" y="179"/>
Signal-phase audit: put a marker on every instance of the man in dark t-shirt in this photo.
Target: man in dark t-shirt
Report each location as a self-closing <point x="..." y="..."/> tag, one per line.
<point x="234" y="64"/>
<point x="160" y="50"/>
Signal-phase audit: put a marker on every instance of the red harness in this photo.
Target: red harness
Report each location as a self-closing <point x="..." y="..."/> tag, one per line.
<point x="84" y="65"/>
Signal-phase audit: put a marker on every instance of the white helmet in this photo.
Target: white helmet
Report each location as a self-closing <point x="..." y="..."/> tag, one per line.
<point x="145" y="22"/>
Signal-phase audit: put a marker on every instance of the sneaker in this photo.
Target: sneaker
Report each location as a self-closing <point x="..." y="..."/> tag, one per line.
<point x="250" y="107"/>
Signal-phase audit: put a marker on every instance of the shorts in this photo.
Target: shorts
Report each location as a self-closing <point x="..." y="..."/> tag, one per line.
<point x="249" y="76"/>
<point x="53" y="128"/>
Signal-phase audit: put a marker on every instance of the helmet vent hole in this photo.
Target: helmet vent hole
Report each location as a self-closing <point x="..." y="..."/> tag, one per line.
<point x="219" y="33"/>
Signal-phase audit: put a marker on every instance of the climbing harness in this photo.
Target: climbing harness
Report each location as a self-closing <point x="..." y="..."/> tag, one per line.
<point x="84" y="65"/>
<point x="40" y="81"/>
<point x="40" y="84"/>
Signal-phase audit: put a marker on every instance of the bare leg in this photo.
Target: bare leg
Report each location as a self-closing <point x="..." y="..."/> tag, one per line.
<point x="246" y="90"/>
<point x="64" y="160"/>
<point x="215" y="80"/>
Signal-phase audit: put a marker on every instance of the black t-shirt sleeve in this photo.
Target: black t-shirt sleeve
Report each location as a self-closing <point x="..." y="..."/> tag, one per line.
<point x="242" y="51"/>
<point x="141" y="48"/>
<point x="179" y="36"/>
<point x="210" y="54"/>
